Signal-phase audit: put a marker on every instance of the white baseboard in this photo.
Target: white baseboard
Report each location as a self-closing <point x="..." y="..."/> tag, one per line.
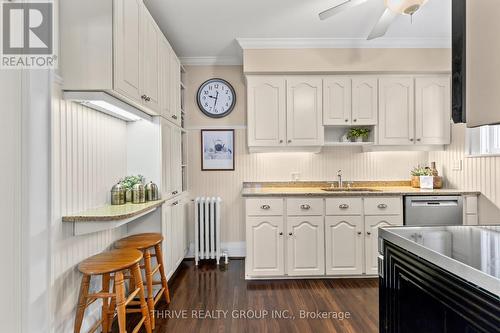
<point x="233" y="249"/>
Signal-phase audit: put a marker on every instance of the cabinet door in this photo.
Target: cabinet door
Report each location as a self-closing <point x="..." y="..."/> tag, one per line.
<point x="344" y="245"/>
<point x="364" y="101"/>
<point x="396" y="111"/>
<point x="266" y="111"/>
<point x="337" y="101"/>
<point x="166" y="211"/>
<point x="175" y="89"/>
<point x="127" y="39"/>
<point x="150" y="65"/>
<point x="304" y="112"/>
<point x="178" y="209"/>
<point x="264" y="246"/>
<point x="372" y="224"/>
<point x="176" y="161"/>
<point x="165" y="80"/>
<point x="433" y="110"/>
<point x="166" y="146"/>
<point x="305" y="246"/>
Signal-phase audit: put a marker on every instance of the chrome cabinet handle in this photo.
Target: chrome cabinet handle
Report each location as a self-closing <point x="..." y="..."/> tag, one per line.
<point x="281" y="141"/>
<point x="148" y="98"/>
<point x="281" y="234"/>
<point x="382" y="206"/>
<point x="411" y="139"/>
<point x="368" y="233"/>
<point x="344" y="206"/>
<point x="290" y="234"/>
<point x="355" y="120"/>
<point x="174" y="192"/>
<point x="266" y="207"/>
<point x="289" y="141"/>
<point x="347" y="120"/>
<point x="174" y="116"/>
<point x="306" y="207"/>
<point x="419" y="140"/>
<point x="175" y="203"/>
<point x="144" y="97"/>
<point x="359" y="232"/>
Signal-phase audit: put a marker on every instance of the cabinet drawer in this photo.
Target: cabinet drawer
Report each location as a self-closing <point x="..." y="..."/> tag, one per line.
<point x="384" y="206"/>
<point x="264" y="207"/>
<point x="304" y="206"/>
<point x="344" y="206"/>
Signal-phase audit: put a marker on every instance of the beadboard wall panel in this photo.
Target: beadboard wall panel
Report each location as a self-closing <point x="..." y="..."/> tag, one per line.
<point x="88" y="156"/>
<point x="477" y="173"/>
<point x="354" y="164"/>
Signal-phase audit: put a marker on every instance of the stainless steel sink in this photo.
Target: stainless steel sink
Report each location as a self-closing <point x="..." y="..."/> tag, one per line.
<point x="349" y="189"/>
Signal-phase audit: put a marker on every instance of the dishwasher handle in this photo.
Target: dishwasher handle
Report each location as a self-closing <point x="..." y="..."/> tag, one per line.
<point x="435" y="203"/>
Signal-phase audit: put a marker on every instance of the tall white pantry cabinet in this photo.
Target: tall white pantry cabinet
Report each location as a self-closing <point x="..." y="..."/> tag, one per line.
<point x="124" y="53"/>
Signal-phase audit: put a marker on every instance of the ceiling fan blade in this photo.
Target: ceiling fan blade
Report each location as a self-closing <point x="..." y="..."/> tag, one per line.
<point x="383" y="24"/>
<point x="340" y="8"/>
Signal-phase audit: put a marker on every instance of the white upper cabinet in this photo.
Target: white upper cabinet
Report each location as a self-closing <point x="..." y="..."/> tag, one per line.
<point x="123" y="53"/>
<point x="127" y="37"/>
<point x="175" y="89"/>
<point x="396" y="111"/>
<point x="337" y="106"/>
<point x="364" y="100"/>
<point x="266" y="111"/>
<point x="304" y="111"/>
<point x="150" y="78"/>
<point x="433" y="110"/>
<point x="305" y="246"/>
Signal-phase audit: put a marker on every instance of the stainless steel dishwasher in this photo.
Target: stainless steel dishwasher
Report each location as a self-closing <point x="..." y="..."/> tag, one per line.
<point x="433" y="210"/>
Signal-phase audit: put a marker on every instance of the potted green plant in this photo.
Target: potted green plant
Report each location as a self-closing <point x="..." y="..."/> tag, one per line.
<point x="417" y="172"/>
<point x="129" y="182"/>
<point x="358" y="134"/>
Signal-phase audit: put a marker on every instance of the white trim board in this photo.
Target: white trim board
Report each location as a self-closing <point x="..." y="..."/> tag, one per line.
<point x="212" y="61"/>
<point x="321" y="43"/>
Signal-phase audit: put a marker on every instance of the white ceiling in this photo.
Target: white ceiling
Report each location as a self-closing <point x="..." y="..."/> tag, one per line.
<point x="201" y="28"/>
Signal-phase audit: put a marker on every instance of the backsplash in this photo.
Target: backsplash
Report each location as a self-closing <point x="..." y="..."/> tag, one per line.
<point x="88" y="156"/>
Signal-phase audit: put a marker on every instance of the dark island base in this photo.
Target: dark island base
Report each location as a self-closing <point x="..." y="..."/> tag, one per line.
<point x="417" y="296"/>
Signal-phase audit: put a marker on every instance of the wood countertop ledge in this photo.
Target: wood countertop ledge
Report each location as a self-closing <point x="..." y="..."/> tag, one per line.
<point x="110" y="213"/>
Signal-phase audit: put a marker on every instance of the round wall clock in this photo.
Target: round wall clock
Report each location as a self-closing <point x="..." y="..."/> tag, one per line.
<point x="216" y="98"/>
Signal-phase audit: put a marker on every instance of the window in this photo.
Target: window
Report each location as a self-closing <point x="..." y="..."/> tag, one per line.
<point x="484" y="140"/>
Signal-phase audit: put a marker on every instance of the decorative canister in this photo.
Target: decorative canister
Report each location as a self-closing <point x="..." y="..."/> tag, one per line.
<point x="118" y="194"/>
<point x="438" y="182"/>
<point x="152" y="192"/>
<point x="415" y="181"/>
<point x="128" y="195"/>
<point x="138" y="195"/>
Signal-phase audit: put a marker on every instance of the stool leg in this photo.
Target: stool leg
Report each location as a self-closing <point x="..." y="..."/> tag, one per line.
<point x="149" y="283"/>
<point x="144" y="306"/>
<point x="120" y="302"/>
<point x="111" y="310"/>
<point x="159" y="259"/>
<point x="105" y="302"/>
<point x="82" y="302"/>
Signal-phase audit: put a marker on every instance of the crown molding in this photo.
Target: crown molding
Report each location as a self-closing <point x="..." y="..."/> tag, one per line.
<point x="212" y="61"/>
<point x="311" y="43"/>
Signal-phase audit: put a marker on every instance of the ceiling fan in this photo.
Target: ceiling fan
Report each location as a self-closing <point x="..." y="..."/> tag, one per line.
<point x="394" y="8"/>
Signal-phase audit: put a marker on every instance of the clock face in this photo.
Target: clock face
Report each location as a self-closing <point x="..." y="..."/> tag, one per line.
<point x="216" y="98"/>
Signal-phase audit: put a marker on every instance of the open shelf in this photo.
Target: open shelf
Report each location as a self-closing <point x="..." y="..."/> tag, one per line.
<point x="348" y="144"/>
<point x="334" y="134"/>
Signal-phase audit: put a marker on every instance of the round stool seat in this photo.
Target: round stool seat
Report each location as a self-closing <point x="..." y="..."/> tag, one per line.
<point x="111" y="261"/>
<point x="140" y="241"/>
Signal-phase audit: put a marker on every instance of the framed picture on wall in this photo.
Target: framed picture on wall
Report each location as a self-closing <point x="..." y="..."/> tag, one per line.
<point x="217" y="150"/>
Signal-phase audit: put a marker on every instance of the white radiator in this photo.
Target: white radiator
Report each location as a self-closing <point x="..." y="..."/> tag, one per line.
<point x="207" y="229"/>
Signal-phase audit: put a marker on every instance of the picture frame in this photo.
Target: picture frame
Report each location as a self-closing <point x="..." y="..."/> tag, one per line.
<point x="217" y="150"/>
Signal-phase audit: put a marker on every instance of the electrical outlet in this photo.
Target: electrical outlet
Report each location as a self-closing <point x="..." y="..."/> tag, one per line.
<point x="295" y="176"/>
<point x="457" y="165"/>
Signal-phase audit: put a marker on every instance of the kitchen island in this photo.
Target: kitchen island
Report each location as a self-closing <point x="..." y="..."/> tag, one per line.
<point x="439" y="279"/>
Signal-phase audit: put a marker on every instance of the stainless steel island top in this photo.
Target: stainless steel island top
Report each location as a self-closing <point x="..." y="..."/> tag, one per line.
<point x="469" y="252"/>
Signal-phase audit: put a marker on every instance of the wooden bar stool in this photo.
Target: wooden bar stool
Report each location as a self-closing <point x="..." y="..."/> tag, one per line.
<point x="145" y="242"/>
<point x="105" y="264"/>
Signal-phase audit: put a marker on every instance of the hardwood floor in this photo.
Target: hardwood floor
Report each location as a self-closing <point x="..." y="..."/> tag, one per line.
<point x="224" y="299"/>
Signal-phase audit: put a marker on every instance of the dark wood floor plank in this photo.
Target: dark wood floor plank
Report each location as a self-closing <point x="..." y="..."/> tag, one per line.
<point x="209" y="287"/>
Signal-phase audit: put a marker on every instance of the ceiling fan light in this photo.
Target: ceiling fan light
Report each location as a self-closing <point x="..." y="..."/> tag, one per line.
<point x="405" y="7"/>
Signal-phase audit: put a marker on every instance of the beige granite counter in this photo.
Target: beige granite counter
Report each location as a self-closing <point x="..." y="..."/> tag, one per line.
<point x="277" y="189"/>
<point x="113" y="213"/>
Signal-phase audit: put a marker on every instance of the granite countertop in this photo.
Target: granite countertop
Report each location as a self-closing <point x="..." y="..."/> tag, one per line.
<point x="113" y="213"/>
<point x="470" y="252"/>
<point x="367" y="188"/>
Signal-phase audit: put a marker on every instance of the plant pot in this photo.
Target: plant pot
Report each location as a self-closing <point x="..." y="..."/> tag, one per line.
<point x="359" y="139"/>
<point x="415" y="181"/>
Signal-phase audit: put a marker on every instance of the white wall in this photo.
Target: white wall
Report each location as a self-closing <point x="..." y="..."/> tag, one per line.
<point x="270" y="167"/>
<point x="478" y="174"/>
<point x="88" y="156"/>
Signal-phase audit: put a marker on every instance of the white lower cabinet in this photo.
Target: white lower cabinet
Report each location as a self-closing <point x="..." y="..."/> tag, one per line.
<point x="265" y="246"/>
<point x="372" y="224"/>
<point x="344" y="245"/>
<point x="174" y="230"/>
<point x="305" y="246"/>
<point x="293" y="237"/>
